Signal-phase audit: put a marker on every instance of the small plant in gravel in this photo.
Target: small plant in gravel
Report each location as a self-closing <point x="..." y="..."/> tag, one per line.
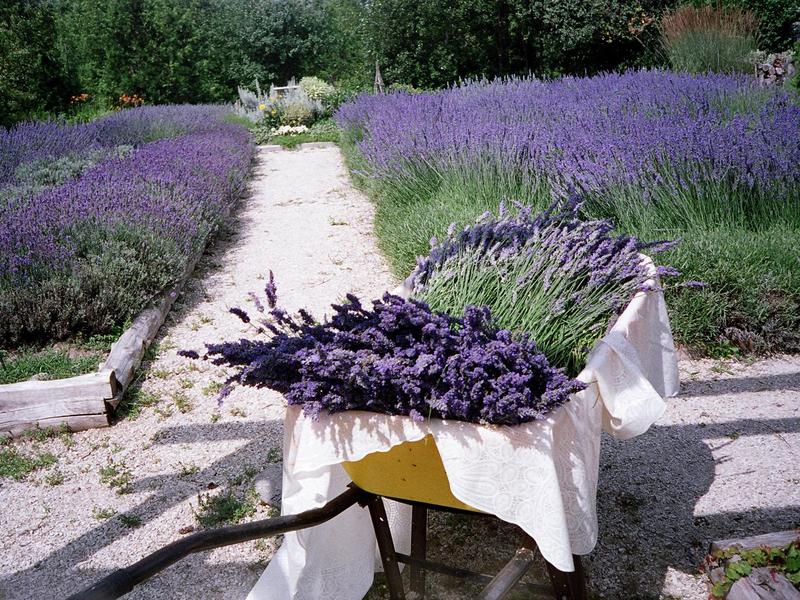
<point x="188" y="469"/>
<point x="225" y="508"/>
<point x="237" y="411"/>
<point x="274" y="455"/>
<point x="54" y="478"/>
<point x="18" y="465"/>
<point x="131" y="521"/>
<point x="213" y="388"/>
<point x="182" y="402"/>
<point x="117" y="476"/>
<point x="134" y="400"/>
<point x="102" y="514"/>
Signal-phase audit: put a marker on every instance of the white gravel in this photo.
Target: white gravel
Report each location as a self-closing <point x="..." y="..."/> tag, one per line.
<point x="721" y="463"/>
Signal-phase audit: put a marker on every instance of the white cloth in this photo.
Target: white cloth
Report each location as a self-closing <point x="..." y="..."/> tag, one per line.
<point x="540" y="475"/>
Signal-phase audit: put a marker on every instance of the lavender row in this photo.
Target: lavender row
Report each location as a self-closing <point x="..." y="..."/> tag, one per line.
<point x="173" y="188"/>
<point x="590" y="133"/>
<point x="39" y="141"/>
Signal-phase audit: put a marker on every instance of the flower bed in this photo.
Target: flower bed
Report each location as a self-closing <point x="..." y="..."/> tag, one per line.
<point x="711" y="159"/>
<point x="85" y="254"/>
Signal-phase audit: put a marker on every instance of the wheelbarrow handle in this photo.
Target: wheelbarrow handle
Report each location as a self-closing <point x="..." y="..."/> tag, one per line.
<point x="120" y="582"/>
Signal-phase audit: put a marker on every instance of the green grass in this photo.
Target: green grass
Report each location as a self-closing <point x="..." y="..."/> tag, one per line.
<point x="56" y="364"/>
<point x="18" y="465"/>
<point x="744" y="246"/>
<point x="322" y="131"/>
<point x="225" y="508"/>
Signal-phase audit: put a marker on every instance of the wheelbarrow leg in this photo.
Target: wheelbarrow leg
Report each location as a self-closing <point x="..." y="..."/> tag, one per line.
<point x="568" y="586"/>
<point x="419" y="546"/>
<point x="386" y="547"/>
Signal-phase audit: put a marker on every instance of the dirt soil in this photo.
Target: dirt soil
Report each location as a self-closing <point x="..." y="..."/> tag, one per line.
<point x="721" y="463"/>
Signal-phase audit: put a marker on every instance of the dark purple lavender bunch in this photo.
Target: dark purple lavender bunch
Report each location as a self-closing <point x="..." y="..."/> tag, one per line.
<point x="400" y="358"/>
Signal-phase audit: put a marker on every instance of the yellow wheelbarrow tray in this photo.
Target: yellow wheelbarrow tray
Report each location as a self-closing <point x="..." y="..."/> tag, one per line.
<point x="411" y="471"/>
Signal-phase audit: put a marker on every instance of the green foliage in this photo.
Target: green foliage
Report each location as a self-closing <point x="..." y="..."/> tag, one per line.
<point x="18" y="465"/>
<point x="322" y="131"/>
<point x="737" y="563"/>
<point x="56" y="364"/>
<point x="415" y="41"/>
<point x="225" y="508"/>
<point x="710" y="38"/>
<point x="116" y="476"/>
<point x="32" y="78"/>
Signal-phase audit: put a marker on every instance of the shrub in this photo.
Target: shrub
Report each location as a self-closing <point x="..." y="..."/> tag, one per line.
<point x="315" y="88"/>
<point x="298" y="109"/>
<point x="710" y="38"/>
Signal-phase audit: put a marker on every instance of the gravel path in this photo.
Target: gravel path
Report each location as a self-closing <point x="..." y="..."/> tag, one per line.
<point x="306" y="223"/>
<point x="722" y="462"/>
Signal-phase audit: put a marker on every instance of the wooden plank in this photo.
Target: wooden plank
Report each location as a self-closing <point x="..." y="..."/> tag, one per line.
<point x="80" y="406"/>
<point x="778" y="539"/>
<point x="34" y="393"/>
<point x="73" y="422"/>
<point x="763" y="584"/>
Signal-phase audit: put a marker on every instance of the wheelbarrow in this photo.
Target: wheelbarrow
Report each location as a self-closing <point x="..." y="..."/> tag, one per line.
<point x="411" y="473"/>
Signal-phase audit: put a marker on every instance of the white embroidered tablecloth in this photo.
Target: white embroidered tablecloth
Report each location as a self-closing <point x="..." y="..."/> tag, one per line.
<point x="541" y="475"/>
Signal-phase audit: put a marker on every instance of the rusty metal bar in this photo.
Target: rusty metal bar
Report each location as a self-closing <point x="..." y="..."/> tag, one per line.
<point x="122" y="581"/>
<point x="386" y="547"/>
<point x="419" y="548"/>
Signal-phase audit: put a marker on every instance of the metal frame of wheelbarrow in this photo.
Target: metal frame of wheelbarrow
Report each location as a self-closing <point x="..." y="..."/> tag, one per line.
<point x="564" y="586"/>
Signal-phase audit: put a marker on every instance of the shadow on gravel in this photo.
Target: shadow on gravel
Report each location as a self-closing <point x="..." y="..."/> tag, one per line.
<point x="188" y="578"/>
<point x="649" y="488"/>
<point x="742" y="385"/>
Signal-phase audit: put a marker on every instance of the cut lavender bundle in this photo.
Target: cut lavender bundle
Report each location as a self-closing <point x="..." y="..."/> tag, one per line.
<point x="553" y="276"/>
<point x="399" y="358"/>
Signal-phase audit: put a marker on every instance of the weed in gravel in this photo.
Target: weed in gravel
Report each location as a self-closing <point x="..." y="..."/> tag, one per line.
<point x="54" y="478"/>
<point x="18" y="466"/>
<point x="245" y="476"/>
<point x="116" y="476"/>
<point x="274" y="455"/>
<point x="213" y="388"/>
<point x="186" y="384"/>
<point x="160" y="373"/>
<point x="215" y="416"/>
<point x="134" y="400"/>
<point x="225" y="508"/>
<point x="182" y="402"/>
<point x="130" y="520"/>
<point x="163" y="413"/>
<point x="238" y="412"/>
<point x="188" y="469"/>
<point x="101" y="514"/>
<point x="152" y="351"/>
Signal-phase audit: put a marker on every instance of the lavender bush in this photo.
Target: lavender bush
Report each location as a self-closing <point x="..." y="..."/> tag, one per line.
<point x="711" y="159"/>
<point x="82" y="256"/>
<point x="398" y="358"/>
<point x="553" y="276"/>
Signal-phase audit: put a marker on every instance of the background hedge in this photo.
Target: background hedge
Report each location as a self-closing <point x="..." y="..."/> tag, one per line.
<point x="199" y="50"/>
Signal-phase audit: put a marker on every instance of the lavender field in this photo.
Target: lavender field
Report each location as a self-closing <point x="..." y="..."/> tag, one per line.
<point x="98" y="219"/>
<point x="712" y="160"/>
